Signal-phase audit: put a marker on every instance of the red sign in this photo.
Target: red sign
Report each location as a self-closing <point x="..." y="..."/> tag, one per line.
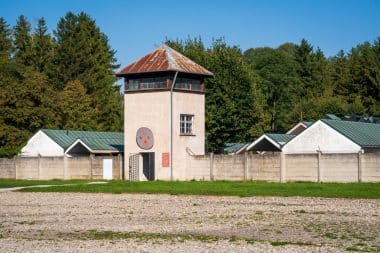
<point x="165" y="159"/>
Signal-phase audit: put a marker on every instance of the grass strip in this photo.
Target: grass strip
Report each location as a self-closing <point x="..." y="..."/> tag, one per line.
<point x="227" y="188"/>
<point x="143" y="236"/>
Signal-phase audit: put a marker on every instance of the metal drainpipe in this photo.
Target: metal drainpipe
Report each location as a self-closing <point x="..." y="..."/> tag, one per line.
<point x="171" y="126"/>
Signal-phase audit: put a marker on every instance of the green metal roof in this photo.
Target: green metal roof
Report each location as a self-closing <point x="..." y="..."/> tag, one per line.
<point x="233" y="147"/>
<point x="332" y="116"/>
<point x="281" y="138"/>
<point x="308" y="123"/>
<point x="113" y="141"/>
<point x="366" y="135"/>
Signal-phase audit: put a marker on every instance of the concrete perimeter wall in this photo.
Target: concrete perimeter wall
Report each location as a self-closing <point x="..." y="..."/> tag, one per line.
<point x="249" y="166"/>
<point x="234" y="167"/>
<point x="275" y="166"/>
<point x="302" y="167"/>
<point x="370" y="167"/>
<point x="59" y="167"/>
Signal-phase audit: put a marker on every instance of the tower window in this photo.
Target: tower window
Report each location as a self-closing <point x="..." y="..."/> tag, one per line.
<point x="147" y="83"/>
<point x="188" y="84"/>
<point x="186" y="124"/>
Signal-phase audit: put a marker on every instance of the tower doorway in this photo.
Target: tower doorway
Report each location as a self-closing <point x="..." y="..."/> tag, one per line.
<point x="148" y="165"/>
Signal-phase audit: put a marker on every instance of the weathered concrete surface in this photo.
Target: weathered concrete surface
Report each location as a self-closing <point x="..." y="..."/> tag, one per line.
<point x="46" y="168"/>
<point x="60" y="222"/>
<point x="296" y="167"/>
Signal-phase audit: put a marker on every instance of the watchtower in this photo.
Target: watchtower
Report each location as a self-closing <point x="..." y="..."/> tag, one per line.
<point x="164" y="114"/>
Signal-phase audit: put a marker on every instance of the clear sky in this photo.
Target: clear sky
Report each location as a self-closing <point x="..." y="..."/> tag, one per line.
<point x="136" y="27"/>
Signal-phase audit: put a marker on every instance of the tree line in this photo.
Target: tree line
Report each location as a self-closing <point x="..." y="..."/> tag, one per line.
<point x="66" y="80"/>
<point x="271" y="89"/>
<point x="63" y="80"/>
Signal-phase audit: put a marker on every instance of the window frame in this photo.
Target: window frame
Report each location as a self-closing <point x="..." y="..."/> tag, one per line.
<point x="186" y="124"/>
<point x="147" y="83"/>
<point x="189" y="84"/>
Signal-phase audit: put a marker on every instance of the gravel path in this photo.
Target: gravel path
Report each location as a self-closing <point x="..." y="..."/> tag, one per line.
<point x="78" y="222"/>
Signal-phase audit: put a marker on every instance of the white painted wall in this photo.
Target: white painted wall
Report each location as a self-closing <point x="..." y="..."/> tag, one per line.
<point x="41" y="144"/>
<point x="152" y="110"/>
<point x="320" y="136"/>
<point x="194" y="104"/>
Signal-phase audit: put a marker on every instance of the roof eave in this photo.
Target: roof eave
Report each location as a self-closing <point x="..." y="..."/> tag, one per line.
<point x="121" y="74"/>
<point x="103" y="151"/>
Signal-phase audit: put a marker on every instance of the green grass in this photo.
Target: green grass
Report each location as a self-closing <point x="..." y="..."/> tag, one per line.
<point x="362" y="247"/>
<point x="9" y="183"/>
<point x="279" y="243"/>
<point x="228" y="188"/>
<point x="142" y="236"/>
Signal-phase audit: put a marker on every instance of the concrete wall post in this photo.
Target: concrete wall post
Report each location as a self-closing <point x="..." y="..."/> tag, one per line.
<point x="319" y="167"/>
<point x="282" y="167"/>
<point x="65" y="172"/>
<point x="39" y="167"/>
<point x="212" y="166"/>
<point x="91" y="165"/>
<point x="121" y="173"/>
<point x="16" y="161"/>
<point x="245" y="166"/>
<point x="360" y="155"/>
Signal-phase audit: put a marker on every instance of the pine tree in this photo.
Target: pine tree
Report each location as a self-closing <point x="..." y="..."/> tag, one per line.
<point x="340" y="75"/>
<point x="42" y="47"/>
<point x="365" y="72"/>
<point x="303" y="58"/>
<point x="23" y="41"/>
<point x="74" y="106"/>
<point x="83" y="54"/>
<point x="5" y="41"/>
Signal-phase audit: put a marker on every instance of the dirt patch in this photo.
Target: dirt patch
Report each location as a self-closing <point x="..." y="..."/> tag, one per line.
<point x="142" y="222"/>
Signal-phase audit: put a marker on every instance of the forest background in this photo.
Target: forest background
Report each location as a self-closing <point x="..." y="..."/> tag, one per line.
<point x="66" y="80"/>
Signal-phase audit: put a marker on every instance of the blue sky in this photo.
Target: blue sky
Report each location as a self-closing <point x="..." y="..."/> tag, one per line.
<point x="136" y="27"/>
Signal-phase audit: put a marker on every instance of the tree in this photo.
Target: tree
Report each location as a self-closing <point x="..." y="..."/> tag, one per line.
<point x="23" y="41"/>
<point x="74" y="106"/>
<point x="277" y="71"/>
<point x="365" y="73"/>
<point x="83" y="54"/>
<point x="5" y="41"/>
<point x="340" y="75"/>
<point x="26" y="102"/>
<point x="232" y="95"/>
<point x="315" y="82"/>
<point x="42" y="49"/>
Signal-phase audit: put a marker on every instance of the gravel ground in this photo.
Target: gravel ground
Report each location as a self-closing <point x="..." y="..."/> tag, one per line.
<point x="80" y="222"/>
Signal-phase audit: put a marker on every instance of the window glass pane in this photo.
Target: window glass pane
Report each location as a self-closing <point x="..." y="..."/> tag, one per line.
<point x="186" y="124"/>
<point x="188" y="84"/>
<point x="147" y="83"/>
<point x="133" y="84"/>
<point x="196" y="87"/>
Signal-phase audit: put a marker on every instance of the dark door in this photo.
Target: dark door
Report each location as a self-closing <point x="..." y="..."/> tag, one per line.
<point x="148" y="165"/>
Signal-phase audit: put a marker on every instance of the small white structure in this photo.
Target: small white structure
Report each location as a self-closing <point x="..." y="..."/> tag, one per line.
<point x="270" y="142"/>
<point x="335" y="136"/>
<point x="42" y="145"/>
<point x="59" y="143"/>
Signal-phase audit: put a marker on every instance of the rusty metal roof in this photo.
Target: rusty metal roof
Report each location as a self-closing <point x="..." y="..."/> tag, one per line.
<point x="163" y="59"/>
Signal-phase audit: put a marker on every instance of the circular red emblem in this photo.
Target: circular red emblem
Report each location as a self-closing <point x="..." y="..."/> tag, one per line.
<point x="144" y="138"/>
